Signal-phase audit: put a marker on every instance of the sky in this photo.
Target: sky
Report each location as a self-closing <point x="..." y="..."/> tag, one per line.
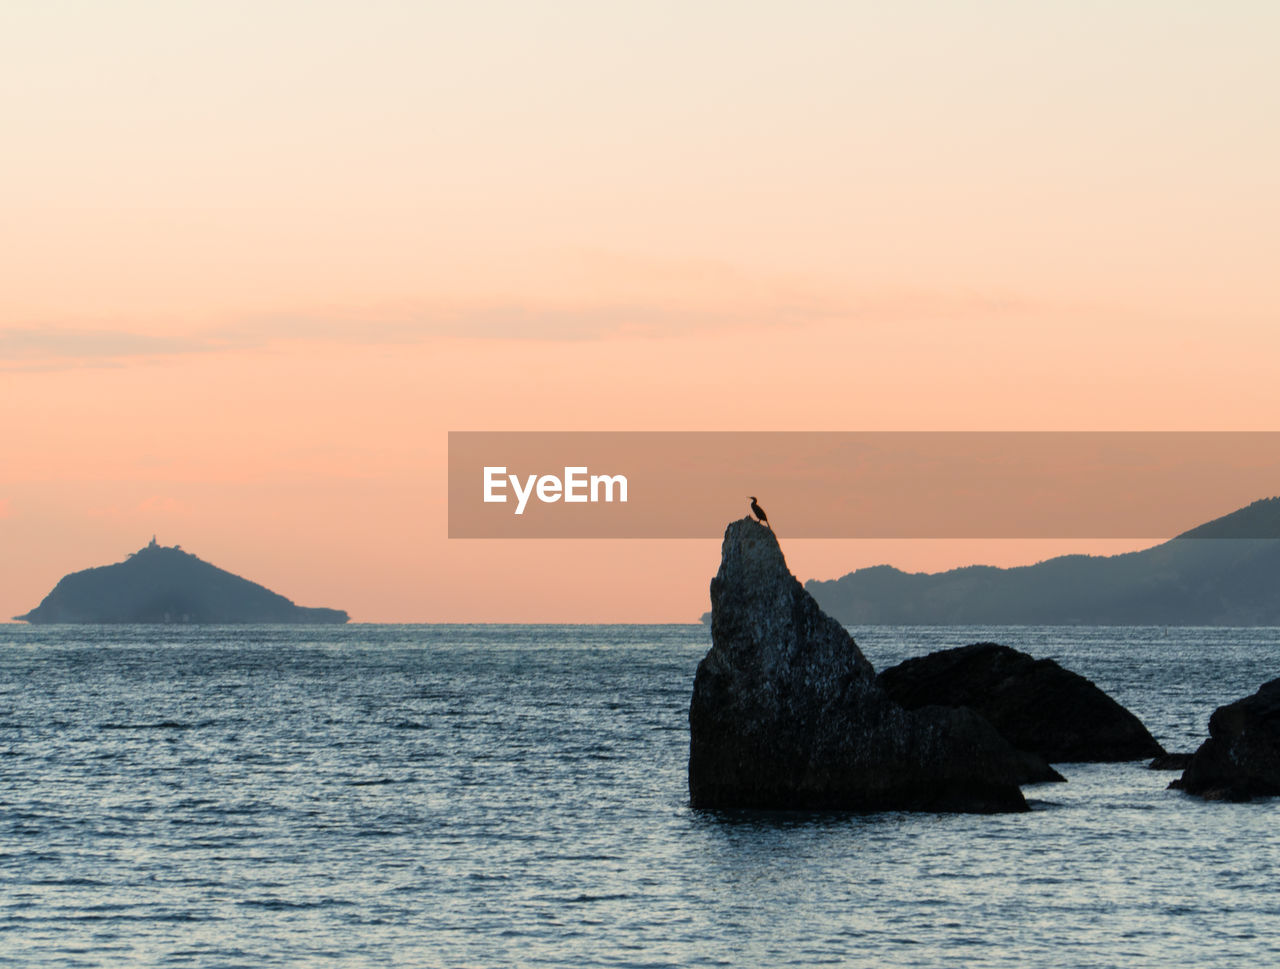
<point x="260" y="258"/>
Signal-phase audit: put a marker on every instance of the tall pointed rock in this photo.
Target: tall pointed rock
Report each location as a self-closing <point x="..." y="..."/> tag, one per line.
<point x="786" y="712"/>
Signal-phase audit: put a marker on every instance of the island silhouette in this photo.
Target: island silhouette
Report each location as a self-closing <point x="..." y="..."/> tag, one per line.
<point x="1225" y="572"/>
<point x="164" y="584"/>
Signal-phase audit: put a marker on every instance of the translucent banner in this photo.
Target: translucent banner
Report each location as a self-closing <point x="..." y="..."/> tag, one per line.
<point x="860" y="484"/>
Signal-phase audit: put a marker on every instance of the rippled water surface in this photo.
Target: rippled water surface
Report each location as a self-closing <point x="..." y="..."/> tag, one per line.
<point x="516" y="796"/>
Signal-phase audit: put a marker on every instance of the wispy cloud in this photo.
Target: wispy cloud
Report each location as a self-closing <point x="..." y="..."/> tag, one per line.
<point x="42" y="343"/>
<point x="50" y="348"/>
<point x="61" y="348"/>
<point x="506" y="322"/>
<point x="746" y="307"/>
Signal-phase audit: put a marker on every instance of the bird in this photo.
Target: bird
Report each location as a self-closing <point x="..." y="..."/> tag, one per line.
<point x="759" y="513"/>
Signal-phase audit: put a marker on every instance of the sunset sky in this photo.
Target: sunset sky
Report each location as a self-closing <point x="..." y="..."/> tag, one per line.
<point x="259" y="258"/>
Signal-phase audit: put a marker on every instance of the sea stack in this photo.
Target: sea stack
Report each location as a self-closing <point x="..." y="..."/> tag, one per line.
<point x="1241" y="758"/>
<point x="786" y="711"/>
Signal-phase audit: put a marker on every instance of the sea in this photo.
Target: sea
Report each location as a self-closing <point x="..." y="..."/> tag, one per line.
<point x="516" y="795"/>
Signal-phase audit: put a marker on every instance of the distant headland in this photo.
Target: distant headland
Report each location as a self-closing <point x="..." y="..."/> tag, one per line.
<point x="163" y="584"/>
<point x="1223" y="573"/>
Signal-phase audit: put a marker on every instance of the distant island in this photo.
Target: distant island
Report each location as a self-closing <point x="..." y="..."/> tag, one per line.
<point x="163" y="584"/>
<point x="1223" y="573"/>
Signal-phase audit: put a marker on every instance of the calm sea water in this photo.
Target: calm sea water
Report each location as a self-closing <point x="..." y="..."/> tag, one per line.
<point x="516" y="796"/>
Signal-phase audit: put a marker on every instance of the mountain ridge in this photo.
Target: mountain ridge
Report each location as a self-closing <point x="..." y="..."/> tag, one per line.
<point x="1225" y="572"/>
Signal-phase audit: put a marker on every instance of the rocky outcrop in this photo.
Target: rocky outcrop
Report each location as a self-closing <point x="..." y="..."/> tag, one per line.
<point x="1035" y="704"/>
<point x="160" y="584"/>
<point x="1241" y="758"/>
<point x="1034" y="769"/>
<point x="786" y="711"/>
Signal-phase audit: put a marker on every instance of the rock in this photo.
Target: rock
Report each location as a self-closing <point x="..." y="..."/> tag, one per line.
<point x="1035" y="704"/>
<point x="1034" y="769"/>
<point x="1170" y="762"/>
<point x="786" y="712"/>
<point x="160" y="584"/>
<point x="1241" y="758"/>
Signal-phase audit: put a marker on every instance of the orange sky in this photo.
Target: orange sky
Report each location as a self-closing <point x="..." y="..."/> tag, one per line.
<point x="259" y="259"/>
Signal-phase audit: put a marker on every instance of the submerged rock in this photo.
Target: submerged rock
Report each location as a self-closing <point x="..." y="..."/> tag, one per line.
<point x="1034" y="769"/>
<point x="786" y="711"/>
<point x="1035" y="704"/>
<point x="1241" y="758"/>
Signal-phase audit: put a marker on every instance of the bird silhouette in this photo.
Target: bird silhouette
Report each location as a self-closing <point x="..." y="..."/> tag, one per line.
<point x="759" y="513"/>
